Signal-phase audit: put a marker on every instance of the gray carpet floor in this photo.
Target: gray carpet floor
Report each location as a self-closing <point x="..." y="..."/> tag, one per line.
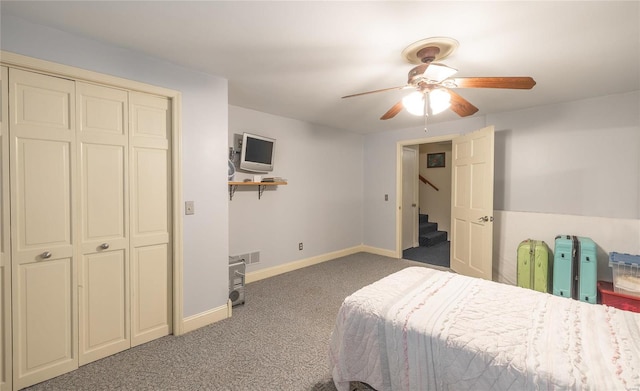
<point x="277" y="340"/>
<point x="437" y="255"/>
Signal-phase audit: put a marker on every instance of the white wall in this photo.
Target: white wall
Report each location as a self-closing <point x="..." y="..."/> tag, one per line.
<point x="575" y="159"/>
<point x="322" y="204"/>
<point x="204" y="138"/>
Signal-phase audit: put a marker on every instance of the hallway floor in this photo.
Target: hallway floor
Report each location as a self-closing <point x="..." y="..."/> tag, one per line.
<point x="434" y="255"/>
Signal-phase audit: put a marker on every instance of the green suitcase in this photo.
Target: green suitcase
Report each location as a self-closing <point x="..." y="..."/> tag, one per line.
<point x="534" y="271"/>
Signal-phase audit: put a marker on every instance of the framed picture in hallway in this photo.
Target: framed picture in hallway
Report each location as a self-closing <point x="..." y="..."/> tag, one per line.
<point x="435" y="160"/>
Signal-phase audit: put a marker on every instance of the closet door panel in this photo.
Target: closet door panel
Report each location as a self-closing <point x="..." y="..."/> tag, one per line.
<point x="150" y="278"/>
<point x="104" y="305"/>
<point x="44" y="284"/>
<point x="46" y="316"/>
<point x="150" y="217"/>
<point x="43" y="105"/>
<point x="150" y="198"/>
<point x="104" y="269"/>
<point x="103" y="194"/>
<point x="43" y="196"/>
<point x="103" y="110"/>
<point x="5" y="249"/>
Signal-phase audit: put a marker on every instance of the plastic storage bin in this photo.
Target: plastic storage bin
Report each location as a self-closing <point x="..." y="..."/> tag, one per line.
<point x="617" y="300"/>
<point x="626" y="273"/>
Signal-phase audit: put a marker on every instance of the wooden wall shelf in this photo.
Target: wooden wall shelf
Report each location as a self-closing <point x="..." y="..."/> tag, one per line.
<point x="261" y="186"/>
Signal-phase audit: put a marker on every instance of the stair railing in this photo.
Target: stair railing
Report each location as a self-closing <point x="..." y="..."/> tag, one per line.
<point x="426" y="182"/>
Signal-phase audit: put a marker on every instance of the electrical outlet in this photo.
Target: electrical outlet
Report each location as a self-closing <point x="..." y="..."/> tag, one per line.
<point x="189" y="208"/>
<point x="300" y="246"/>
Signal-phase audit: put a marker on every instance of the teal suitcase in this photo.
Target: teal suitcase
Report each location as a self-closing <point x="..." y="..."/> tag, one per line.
<point x="534" y="269"/>
<point x="564" y="269"/>
<point x="575" y="268"/>
<point x="588" y="271"/>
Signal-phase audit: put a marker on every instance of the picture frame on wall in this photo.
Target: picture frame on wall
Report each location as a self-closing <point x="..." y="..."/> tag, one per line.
<point x="435" y="160"/>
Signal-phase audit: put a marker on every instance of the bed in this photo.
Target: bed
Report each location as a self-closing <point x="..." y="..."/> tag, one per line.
<point x="424" y="329"/>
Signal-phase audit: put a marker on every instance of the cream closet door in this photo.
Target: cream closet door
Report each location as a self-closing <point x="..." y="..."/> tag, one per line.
<point x="150" y="181"/>
<point x="5" y="260"/>
<point x="44" y="311"/>
<point x="103" y="270"/>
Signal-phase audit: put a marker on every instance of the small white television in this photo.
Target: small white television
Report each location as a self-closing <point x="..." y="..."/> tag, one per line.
<point x="257" y="153"/>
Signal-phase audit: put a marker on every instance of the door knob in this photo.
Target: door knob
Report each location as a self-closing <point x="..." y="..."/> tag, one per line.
<point x="46" y="255"/>
<point x="104" y="246"/>
<point x="485" y="219"/>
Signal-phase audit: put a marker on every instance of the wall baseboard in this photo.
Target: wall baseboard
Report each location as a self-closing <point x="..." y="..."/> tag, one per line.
<point x="379" y="251"/>
<point x="288" y="267"/>
<point x="206" y="318"/>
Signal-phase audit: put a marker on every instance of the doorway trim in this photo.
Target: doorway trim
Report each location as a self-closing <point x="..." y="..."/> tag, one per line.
<point x="399" y="146"/>
<point x="414" y="196"/>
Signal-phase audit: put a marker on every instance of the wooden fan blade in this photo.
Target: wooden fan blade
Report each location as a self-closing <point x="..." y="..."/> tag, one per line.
<point x="521" y="83"/>
<point x="373" y="92"/>
<point x="461" y="106"/>
<point x="393" y="111"/>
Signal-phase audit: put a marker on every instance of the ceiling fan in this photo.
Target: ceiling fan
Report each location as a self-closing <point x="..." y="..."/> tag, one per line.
<point x="433" y="85"/>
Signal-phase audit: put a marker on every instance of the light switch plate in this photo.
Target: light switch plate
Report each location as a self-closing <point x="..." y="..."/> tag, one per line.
<point x="189" y="208"/>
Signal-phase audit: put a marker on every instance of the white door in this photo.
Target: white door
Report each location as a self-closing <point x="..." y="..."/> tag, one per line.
<point x="409" y="198"/>
<point x="44" y="313"/>
<point x="472" y="204"/>
<point x="103" y="270"/>
<point x="5" y="260"/>
<point x="150" y="181"/>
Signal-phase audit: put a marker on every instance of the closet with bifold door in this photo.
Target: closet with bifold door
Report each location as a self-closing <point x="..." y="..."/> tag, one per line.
<point x="87" y="248"/>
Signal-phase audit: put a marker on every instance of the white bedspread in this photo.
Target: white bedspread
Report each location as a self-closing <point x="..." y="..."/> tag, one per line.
<point x="422" y="329"/>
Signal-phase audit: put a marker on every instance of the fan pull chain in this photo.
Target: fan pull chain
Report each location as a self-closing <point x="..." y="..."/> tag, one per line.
<point x="426" y="111"/>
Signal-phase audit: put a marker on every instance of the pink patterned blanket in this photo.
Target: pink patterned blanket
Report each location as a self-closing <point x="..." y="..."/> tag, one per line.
<point x="422" y="329"/>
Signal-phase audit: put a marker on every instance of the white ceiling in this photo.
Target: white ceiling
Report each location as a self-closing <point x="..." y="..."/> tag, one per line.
<point x="297" y="58"/>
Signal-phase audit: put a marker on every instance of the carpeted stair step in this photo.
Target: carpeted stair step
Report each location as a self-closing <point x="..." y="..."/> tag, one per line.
<point x="422" y="218"/>
<point x="424" y="228"/>
<point x="432" y="238"/>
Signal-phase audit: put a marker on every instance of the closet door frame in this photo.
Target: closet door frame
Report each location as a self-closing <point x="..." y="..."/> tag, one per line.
<point x="5" y="249"/>
<point x="13" y="60"/>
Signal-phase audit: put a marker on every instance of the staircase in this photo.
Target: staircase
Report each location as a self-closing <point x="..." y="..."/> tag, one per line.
<point x="428" y="234"/>
<point x="434" y="247"/>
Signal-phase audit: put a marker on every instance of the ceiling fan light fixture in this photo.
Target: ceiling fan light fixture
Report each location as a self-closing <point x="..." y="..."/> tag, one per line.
<point x="439" y="72"/>
<point x="414" y="103"/>
<point x="439" y="101"/>
<point x="431" y="77"/>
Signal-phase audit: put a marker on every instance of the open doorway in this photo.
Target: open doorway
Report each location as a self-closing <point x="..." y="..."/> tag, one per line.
<point x="471" y="231"/>
<point x="433" y="185"/>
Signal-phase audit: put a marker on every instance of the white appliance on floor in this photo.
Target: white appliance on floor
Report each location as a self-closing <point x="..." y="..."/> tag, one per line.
<point x="236" y="281"/>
